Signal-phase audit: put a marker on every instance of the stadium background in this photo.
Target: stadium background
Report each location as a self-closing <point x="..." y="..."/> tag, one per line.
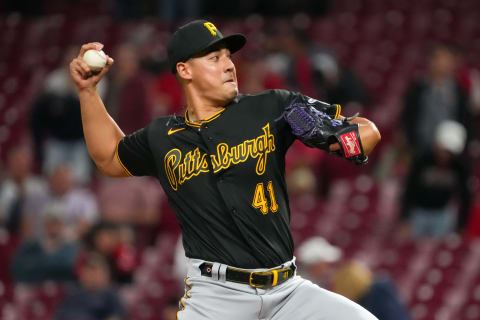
<point x="380" y="45"/>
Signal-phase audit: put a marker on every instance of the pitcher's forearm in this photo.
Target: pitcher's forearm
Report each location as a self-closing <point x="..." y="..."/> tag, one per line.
<point x="101" y="132"/>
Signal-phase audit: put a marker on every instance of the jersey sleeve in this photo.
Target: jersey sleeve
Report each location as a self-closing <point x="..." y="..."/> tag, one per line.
<point x="289" y="97"/>
<point x="135" y="155"/>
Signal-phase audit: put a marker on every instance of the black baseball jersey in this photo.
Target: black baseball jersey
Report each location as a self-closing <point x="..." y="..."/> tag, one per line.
<point x="225" y="178"/>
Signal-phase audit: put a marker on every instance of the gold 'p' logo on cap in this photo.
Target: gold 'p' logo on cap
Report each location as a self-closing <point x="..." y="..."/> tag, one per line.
<point x="211" y="27"/>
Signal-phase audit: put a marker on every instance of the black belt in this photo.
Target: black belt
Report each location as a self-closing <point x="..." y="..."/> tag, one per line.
<point x="256" y="279"/>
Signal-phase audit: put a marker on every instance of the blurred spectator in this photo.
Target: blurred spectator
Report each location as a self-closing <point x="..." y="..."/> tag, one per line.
<point x="56" y="123"/>
<point x="78" y="206"/>
<point x="18" y="190"/>
<point x="94" y="298"/>
<point x="276" y="59"/>
<point x="256" y="74"/>
<point x="51" y="257"/>
<point x="335" y="82"/>
<point x="167" y="94"/>
<point x="128" y="100"/>
<point x="469" y="80"/>
<point x="435" y="181"/>
<point x="376" y="294"/>
<point x="438" y="167"/>
<point x="136" y="202"/>
<point x="299" y="74"/>
<point x="316" y="259"/>
<point x="115" y="244"/>
<point x="341" y="86"/>
<point x="301" y="180"/>
<point x="435" y="98"/>
<point x="315" y="71"/>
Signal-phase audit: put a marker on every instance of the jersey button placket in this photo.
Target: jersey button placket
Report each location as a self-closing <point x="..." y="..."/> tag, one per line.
<point x="206" y="135"/>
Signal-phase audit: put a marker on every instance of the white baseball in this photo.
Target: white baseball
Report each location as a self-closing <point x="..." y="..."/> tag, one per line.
<point x="95" y="59"/>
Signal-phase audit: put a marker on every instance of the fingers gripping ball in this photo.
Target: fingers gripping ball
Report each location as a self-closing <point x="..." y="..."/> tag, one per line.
<point x="96" y="60"/>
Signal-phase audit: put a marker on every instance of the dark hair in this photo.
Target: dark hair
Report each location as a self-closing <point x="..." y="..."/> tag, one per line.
<point x="89" y="239"/>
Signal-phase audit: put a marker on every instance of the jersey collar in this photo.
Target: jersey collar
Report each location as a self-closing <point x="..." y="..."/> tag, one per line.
<point x="199" y="124"/>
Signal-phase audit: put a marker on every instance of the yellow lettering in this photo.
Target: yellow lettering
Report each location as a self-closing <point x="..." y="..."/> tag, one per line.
<point x="223" y="154"/>
<point x="172" y="160"/>
<point x="179" y="170"/>
<point x="196" y="158"/>
<point x="269" y="138"/>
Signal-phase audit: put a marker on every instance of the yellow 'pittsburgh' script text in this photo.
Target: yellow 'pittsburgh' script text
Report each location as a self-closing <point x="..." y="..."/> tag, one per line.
<point x="179" y="170"/>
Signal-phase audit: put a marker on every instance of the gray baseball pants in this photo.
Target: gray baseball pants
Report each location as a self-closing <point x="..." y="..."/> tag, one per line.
<point x="296" y="299"/>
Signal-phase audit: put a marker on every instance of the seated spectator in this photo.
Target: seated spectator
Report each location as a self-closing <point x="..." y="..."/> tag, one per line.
<point x="56" y="124"/>
<point x="51" y="257"/>
<point x="78" y="206"/>
<point x="94" y="298"/>
<point x="316" y="259"/>
<point x="435" y="181"/>
<point x="19" y="190"/>
<point x="114" y="243"/>
<point x="376" y="294"/>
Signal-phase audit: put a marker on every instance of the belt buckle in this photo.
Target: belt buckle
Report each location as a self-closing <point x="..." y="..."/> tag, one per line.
<point x="260" y="273"/>
<point x="274" y="274"/>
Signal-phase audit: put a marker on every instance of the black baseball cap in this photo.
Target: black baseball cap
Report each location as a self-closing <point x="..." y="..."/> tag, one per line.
<point x="197" y="36"/>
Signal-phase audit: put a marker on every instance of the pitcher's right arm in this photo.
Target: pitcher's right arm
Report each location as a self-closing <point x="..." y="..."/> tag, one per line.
<point x="101" y="132"/>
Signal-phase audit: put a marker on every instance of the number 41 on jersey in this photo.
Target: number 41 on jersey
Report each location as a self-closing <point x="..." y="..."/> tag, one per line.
<point x="260" y="201"/>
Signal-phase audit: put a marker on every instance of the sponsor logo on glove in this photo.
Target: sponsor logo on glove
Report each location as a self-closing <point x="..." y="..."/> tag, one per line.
<point x="350" y="144"/>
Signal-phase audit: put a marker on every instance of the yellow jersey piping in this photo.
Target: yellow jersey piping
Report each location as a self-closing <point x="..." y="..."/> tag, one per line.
<point x="120" y="161"/>
<point x="197" y="125"/>
<point x="186" y="295"/>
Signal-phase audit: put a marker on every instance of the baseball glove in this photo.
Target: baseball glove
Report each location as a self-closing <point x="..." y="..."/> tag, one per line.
<point x="316" y="129"/>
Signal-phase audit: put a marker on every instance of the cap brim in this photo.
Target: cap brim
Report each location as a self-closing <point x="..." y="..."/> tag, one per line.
<point x="232" y="42"/>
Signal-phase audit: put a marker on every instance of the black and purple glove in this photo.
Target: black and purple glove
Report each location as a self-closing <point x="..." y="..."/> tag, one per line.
<point x="316" y="129"/>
